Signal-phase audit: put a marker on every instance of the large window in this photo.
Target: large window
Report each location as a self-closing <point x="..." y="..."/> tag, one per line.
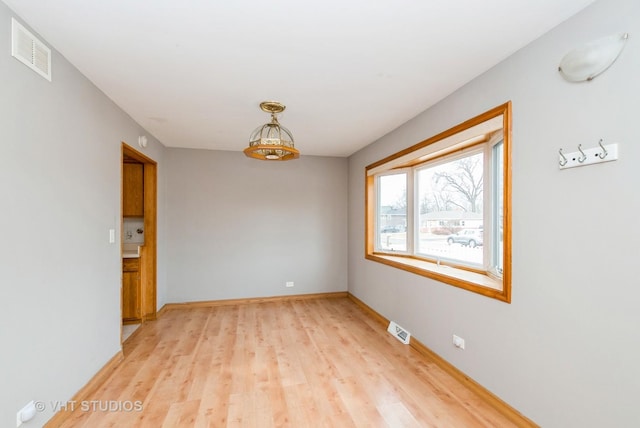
<point x="442" y="207"/>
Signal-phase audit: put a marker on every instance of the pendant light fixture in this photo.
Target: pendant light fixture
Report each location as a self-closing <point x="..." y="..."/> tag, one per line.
<point x="271" y="141"/>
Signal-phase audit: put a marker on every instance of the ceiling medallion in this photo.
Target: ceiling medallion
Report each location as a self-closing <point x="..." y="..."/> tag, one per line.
<point x="271" y="141"/>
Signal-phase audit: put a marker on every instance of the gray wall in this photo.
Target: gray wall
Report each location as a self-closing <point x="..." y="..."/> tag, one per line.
<point x="242" y="228"/>
<point x="566" y="351"/>
<point x="60" y="278"/>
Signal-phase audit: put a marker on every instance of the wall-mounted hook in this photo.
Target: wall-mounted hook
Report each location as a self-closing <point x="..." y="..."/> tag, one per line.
<point x="604" y="151"/>
<point x="564" y="160"/>
<point x="583" y="156"/>
<point x="598" y="154"/>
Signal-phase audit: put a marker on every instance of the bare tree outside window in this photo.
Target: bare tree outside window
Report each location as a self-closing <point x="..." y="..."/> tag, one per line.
<point x="451" y="209"/>
<point x="464" y="181"/>
<point x="453" y="186"/>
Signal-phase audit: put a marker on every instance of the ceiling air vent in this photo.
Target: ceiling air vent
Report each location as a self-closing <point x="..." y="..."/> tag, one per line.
<point x="30" y="51"/>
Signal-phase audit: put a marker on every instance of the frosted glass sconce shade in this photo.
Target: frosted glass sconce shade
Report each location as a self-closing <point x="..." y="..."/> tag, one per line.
<point x="592" y="59"/>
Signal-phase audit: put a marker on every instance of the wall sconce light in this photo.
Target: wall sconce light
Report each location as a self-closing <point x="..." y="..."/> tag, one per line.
<point x="592" y="59"/>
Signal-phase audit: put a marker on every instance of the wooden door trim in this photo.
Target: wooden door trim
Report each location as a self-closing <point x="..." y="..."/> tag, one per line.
<point x="148" y="252"/>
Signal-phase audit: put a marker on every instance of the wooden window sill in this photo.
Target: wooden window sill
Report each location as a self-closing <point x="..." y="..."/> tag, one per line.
<point x="472" y="281"/>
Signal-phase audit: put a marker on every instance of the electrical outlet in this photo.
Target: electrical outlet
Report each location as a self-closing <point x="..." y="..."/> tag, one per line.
<point x="289" y="284"/>
<point x="458" y="342"/>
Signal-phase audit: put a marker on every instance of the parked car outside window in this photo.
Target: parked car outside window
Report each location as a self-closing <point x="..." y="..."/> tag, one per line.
<point x="468" y="237"/>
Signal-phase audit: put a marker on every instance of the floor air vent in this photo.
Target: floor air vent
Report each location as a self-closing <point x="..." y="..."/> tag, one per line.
<point x="399" y="333"/>
<point x="30" y="51"/>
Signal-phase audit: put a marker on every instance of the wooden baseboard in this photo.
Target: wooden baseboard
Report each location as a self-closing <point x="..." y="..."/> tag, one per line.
<point x="509" y="412"/>
<point x="83" y="394"/>
<point x="150" y="317"/>
<point x="369" y="310"/>
<point x="162" y="310"/>
<point x="251" y="300"/>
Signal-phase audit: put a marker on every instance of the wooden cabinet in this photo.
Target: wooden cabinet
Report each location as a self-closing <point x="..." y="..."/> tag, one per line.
<point x="133" y="190"/>
<point x="131" y="303"/>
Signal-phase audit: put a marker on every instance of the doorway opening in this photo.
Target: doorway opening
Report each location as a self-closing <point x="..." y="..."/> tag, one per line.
<point x="139" y="194"/>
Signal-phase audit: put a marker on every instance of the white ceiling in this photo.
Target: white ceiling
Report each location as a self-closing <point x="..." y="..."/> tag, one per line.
<point x="192" y="72"/>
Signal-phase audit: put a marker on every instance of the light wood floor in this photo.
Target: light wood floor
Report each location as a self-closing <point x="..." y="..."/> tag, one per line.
<point x="303" y="363"/>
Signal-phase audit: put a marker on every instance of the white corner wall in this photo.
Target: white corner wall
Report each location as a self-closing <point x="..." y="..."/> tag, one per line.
<point x="60" y="279"/>
<point x="241" y="228"/>
<point x="565" y="352"/>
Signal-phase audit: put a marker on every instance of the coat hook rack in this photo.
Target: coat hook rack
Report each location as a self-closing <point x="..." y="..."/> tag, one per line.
<point x="583" y="157"/>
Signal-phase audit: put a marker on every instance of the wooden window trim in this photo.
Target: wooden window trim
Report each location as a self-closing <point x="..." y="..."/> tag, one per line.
<point x="478" y="282"/>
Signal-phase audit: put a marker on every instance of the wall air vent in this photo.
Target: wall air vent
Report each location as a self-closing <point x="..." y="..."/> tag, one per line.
<point x="30" y="51"/>
<point x="399" y="333"/>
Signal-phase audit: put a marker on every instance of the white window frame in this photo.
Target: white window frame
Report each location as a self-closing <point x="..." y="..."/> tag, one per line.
<point x="377" y="224"/>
